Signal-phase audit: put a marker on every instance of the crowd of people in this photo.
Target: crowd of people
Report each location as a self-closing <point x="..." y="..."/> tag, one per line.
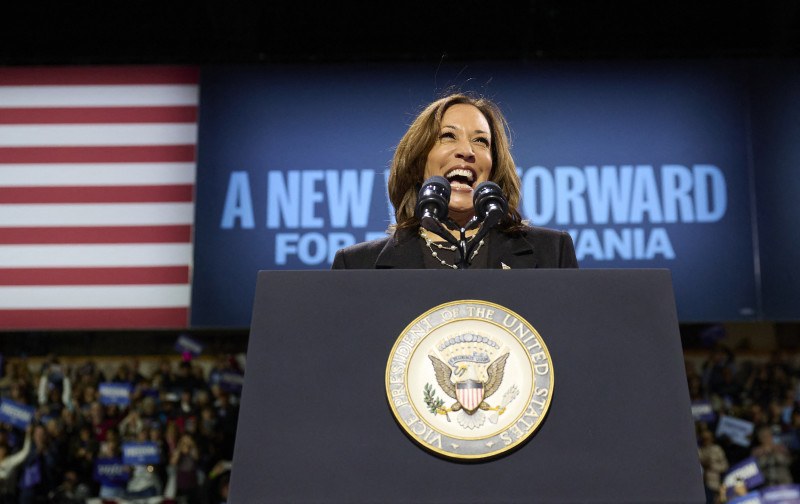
<point x="189" y="411"/>
<point x="763" y="396"/>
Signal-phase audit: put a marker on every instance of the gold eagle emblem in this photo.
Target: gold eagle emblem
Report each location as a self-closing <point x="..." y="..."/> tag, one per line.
<point x="444" y="376"/>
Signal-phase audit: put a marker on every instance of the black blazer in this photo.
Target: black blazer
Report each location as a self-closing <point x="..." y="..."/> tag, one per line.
<point x="534" y="247"/>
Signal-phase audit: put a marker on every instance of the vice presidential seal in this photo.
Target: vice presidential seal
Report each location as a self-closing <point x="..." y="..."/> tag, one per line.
<point x="469" y="379"/>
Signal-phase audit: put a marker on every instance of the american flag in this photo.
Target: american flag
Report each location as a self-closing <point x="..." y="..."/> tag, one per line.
<point x="97" y="173"/>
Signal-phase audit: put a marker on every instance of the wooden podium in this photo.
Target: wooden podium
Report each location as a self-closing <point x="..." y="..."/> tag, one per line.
<point x="315" y="424"/>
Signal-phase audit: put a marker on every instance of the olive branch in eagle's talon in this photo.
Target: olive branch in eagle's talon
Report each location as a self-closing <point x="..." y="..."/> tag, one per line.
<point x="434" y="403"/>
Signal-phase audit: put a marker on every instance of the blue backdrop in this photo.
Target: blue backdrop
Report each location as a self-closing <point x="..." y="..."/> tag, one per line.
<point x="647" y="164"/>
<point x="776" y="152"/>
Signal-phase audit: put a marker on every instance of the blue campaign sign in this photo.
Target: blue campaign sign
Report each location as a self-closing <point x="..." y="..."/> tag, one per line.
<point x="781" y="494"/>
<point x="186" y="344"/>
<point x="702" y="411"/>
<point x="13" y="413"/>
<point x="748" y="498"/>
<point x="646" y="164"/>
<point x="232" y="381"/>
<point x="739" y="431"/>
<point x="141" y="453"/>
<point x="746" y="472"/>
<point x="115" y="393"/>
<point x="110" y="471"/>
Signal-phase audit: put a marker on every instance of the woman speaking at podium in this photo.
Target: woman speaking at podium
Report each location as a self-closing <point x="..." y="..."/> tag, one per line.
<point x="458" y="147"/>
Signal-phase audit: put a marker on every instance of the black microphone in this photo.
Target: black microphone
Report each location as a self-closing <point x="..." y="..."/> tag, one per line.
<point x="433" y="198"/>
<point x="490" y="203"/>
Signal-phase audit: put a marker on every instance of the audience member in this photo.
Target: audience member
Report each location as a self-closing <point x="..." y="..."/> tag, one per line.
<point x="39" y="471"/>
<point x="186" y="461"/>
<point x="145" y="479"/>
<point x="714" y="463"/>
<point x="8" y="468"/>
<point x="773" y="458"/>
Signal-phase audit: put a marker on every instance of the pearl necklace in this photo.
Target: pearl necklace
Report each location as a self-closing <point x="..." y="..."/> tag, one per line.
<point x="430" y="243"/>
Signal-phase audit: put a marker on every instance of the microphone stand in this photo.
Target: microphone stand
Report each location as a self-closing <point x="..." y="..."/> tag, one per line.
<point x="488" y="201"/>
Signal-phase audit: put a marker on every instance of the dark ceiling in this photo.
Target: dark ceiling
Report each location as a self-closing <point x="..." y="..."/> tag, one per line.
<point x="246" y="31"/>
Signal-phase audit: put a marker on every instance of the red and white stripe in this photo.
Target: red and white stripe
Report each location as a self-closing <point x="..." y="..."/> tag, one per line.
<point x="470" y="397"/>
<point x="97" y="173"/>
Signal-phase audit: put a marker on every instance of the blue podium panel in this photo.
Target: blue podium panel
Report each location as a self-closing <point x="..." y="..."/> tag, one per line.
<point x="316" y="426"/>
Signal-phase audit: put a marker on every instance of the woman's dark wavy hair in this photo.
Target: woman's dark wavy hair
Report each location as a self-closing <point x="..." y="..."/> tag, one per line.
<point x="408" y="166"/>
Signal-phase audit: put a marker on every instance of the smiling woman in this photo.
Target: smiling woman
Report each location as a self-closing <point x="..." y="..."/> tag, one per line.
<point x="464" y="140"/>
<point x="434" y="145"/>
<point x="462" y="154"/>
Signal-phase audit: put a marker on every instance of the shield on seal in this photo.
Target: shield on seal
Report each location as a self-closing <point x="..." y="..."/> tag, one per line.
<point x="470" y="394"/>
